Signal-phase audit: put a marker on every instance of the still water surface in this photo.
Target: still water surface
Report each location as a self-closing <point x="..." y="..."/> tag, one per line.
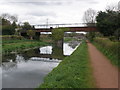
<point x="28" y="69"/>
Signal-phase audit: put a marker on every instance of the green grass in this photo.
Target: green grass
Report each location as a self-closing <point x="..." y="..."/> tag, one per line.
<point x="14" y="41"/>
<point x="109" y="48"/>
<point x="20" y="45"/>
<point x="17" y="43"/>
<point x="46" y="38"/>
<point x="67" y="39"/>
<point x="73" y="72"/>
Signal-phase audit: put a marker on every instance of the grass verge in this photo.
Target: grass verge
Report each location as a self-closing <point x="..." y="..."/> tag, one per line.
<point x="73" y="72"/>
<point x="110" y="49"/>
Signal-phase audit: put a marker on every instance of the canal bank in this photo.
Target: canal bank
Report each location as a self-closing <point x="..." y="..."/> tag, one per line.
<point x="28" y="69"/>
<point x="73" y="72"/>
<point x="20" y="46"/>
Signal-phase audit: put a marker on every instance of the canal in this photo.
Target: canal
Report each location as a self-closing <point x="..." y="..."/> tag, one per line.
<point x="28" y="69"/>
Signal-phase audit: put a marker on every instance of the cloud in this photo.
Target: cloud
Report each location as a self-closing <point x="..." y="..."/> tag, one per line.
<point x="89" y="1"/>
<point x="93" y="2"/>
<point x="35" y="2"/>
<point x="58" y="11"/>
<point x="41" y="13"/>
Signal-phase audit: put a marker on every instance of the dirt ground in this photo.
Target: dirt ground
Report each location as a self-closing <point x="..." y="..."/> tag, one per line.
<point x="105" y="74"/>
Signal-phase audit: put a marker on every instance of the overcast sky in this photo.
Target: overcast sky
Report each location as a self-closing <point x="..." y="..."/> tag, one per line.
<point x="57" y="11"/>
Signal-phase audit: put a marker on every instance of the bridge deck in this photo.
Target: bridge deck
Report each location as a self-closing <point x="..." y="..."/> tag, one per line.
<point x="72" y="29"/>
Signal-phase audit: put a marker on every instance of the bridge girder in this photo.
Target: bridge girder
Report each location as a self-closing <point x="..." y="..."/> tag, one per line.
<point x="72" y="29"/>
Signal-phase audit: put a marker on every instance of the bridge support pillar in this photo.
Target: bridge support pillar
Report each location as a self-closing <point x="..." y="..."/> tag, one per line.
<point x="57" y="53"/>
<point x="37" y="35"/>
<point x="59" y="43"/>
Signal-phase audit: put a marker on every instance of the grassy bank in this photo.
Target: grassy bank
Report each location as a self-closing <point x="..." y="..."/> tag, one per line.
<point x="20" y="45"/>
<point x="14" y="41"/>
<point x="73" y="72"/>
<point x="68" y="39"/>
<point x="109" y="48"/>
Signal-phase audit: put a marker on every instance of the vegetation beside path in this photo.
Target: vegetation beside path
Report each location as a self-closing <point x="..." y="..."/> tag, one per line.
<point x="73" y="72"/>
<point x="109" y="48"/>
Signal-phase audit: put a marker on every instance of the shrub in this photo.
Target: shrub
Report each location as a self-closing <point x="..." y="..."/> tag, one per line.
<point x="112" y="38"/>
<point x="117" y="34"/>
<point x="58" y="33"/>
<point x="11" y="37"/>
<point x="109" y="48"/>
<point x="31" y="33"/>
<point x="91" y="35"/>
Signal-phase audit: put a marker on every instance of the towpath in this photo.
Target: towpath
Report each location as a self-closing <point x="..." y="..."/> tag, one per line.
<point x="105" y="74"/>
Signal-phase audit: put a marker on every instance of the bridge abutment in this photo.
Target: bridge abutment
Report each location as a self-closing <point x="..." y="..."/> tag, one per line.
<point x="37" y="35"/>
<point x="59" y="43"/>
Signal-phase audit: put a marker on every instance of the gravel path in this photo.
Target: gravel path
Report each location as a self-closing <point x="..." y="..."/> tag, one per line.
<point x="105" y="74"/>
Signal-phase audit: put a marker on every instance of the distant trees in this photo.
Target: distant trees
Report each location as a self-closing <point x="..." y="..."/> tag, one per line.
<point x="113" y="7"/>
<point x="57" y="35"/>
<point x="108" y="22"/>
<point x="89" y="17"/>
<point x="31" y="34"/>
<point x="8" y="24"/>
<point x="27" y="26"/>
<point x="7" y="17"/>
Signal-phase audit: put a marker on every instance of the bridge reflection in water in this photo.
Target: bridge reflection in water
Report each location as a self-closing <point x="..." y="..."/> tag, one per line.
<point x="45" y="54"/>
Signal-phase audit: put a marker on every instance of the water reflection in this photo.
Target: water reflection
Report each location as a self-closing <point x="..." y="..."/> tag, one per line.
<point x="0" y="78"/>
<point x="27" y="75"/>
<point x="67" y="50"/>
<point x="9" y="66"/>
<point x="27" y="69"/>
<point x="46" y="50"/>
<point x="47" y="53"/>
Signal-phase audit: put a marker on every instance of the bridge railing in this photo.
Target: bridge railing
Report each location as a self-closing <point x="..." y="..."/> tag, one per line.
<point x="65" y="25"/>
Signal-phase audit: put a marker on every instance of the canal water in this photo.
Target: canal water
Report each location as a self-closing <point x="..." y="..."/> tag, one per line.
<point x="28" y="69"/>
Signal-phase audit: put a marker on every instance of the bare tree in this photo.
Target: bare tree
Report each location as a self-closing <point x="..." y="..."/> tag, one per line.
<point x="119" y="5"/>
<point x="5" y="16"/>
<point x="89" y="17"/>
<point x="0" y="20"/>
<point x="12" y="18"/>
<point x="114" y="7"/>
